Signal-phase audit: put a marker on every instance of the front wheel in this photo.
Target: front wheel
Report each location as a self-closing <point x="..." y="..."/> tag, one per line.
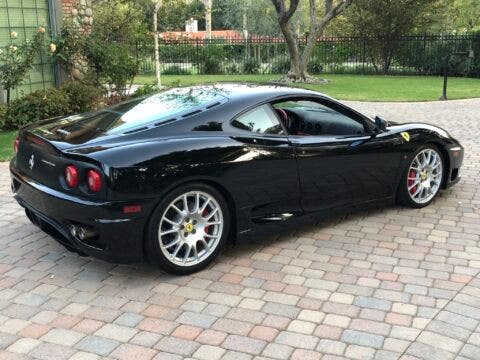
<point x="188" y="229"/>
<point x="422" y="178"/>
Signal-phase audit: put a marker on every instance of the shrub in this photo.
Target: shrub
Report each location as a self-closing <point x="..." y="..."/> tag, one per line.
<point x="145" y="90"/>
<point x="232" y="68"/>
<point x="210" y="65"/>
<point x="251" y="66"/>
<point x="280" y="65"/>
<point x="113" y="63"/>
<point x="211" y="60"/>
<point x="315" y="66"/>
<point x="3" y="115"/>
<point x="175" y="70"/>
<point x="83" y="97"/>
<point x="38" y="105"/>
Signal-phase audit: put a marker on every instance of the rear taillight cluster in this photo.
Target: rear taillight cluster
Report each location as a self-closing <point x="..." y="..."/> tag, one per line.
<point x="94" y="179"/>
<point x="71" y="176"/>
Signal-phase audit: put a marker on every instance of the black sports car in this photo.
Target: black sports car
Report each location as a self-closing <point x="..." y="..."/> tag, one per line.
<point x="172" y="177"/>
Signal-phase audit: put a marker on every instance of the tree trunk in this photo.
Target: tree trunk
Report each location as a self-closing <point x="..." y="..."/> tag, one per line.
<point x="208" y="19"/>
<point x="292" y="43"/>
<point x="299" y="63"/>
<point x="157" y="5"/>
<point x="8" y="95"/>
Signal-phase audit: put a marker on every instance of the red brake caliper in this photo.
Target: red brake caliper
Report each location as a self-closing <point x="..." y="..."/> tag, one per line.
<point x="411" y="181"/>
<point x="207" y="228"/>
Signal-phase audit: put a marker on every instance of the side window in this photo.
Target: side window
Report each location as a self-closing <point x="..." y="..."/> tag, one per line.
<point x="306" y="117"/>
<point x="260" y="120"/>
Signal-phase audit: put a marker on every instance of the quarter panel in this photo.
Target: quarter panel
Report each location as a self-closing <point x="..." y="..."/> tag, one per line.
<point x="261" y="178"/>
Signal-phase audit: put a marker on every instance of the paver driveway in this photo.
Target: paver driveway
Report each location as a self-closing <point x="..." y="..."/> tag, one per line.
<point x="385" y="284"/>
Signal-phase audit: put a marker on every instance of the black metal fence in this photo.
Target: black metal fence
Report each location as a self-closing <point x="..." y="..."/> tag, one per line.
<point x="415" y="55"/>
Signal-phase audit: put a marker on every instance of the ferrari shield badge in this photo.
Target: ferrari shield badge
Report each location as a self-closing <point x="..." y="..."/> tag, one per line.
<point x="406" y="136"/>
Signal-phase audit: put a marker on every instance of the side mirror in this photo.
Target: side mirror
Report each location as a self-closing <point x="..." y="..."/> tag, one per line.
<point x="381" y="123"/>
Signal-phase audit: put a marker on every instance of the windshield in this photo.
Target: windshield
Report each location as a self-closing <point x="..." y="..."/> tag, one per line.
<point x="138" y="113"/>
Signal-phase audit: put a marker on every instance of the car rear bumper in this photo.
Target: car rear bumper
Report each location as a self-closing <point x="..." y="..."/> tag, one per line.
<point x="112" y="235"/>
<point x="455" y="158"/>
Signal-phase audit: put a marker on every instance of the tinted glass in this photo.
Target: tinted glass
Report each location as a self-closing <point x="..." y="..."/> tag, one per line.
<point x="307" y="117"/>
<point x="142" y="112"/>
<point x="261" y="120"/>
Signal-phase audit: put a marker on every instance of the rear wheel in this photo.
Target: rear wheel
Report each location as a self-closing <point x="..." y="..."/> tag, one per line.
<point x="188" y="229"/>
<point x="422" y="178"/>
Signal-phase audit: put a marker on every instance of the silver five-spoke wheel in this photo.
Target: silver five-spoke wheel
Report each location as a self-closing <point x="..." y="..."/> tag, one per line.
<point x="424" y="176"/>
<point x="190" y="228"/>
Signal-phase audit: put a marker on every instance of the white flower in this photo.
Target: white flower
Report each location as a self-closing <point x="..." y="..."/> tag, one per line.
<point x="13" y="48"/>
<point x="41" y="29"/>
<point x="13" y="34"/>
<point x="53" y="47"/>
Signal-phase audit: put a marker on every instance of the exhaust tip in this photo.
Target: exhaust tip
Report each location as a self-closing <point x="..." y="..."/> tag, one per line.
<point x="82" y="232"/>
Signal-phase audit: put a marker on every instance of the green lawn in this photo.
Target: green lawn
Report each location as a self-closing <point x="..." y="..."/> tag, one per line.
<point x="6" y="145"/>
<point x="352" y="87"/>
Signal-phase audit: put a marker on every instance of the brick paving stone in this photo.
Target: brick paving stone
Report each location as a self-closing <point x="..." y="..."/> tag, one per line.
<point x="362" y="338"/>
<point x="302" y="327"/>
<point x="145" y="338"/>
<point x="116" y="332"/>
<point x="359" y="352"/>
<point x="128" y="352"/>
<point x="301" y="354"/>
<point x="331" y="347"/>
<point x="208" y="352"/>
<point x="244" y="344"/>
<point x="297" y="340"/>
<point x="128" y="319"/>
<point x="427" y="352"/>
<point x="34" y="331"/>
<point x="81" y="355"/>
<point x="62" y="337"/>
<point x="177" y="346"/>
<point x="46" y="351"/>
<point x="277" y="351"/>
<point x="195" y="319"/>
<point x="97" y="345"/>
<point x="232" y="326"/>
<point x="186" y="332"/>
<point x="211" y="337"/>
<point x="23" y="346"/>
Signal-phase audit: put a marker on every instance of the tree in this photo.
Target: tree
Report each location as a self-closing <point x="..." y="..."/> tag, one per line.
<point x="299" y="59"/>
<point x="231" y="14"/>
<point x="156" y="6"/>
<point x="466" y="15"/>
<point x="208" y="18"/>
<point x="110" y="46"/>
<point x="17" y="59"/>
<point x="383" y="22"/>
<point x="172" y="15"/>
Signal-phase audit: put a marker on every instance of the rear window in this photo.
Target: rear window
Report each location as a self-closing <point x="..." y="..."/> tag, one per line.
<point x="138" y="113"/>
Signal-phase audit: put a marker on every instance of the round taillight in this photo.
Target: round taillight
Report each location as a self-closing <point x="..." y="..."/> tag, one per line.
<point x="15" y="144"/>
<point x="71" y="176"/>
<point x="94" y="180"/>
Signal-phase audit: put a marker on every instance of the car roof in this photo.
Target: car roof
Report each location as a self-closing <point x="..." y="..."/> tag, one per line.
<point x="255" y="92"/>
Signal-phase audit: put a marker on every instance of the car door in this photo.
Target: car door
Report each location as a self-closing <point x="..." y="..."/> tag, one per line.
<point x="340" y="160"/>
<point x="265" y="172"/>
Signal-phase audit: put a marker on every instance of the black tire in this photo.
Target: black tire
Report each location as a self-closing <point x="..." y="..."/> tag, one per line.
<point x="152" y="244"/>
<point x="403" y="196"/>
